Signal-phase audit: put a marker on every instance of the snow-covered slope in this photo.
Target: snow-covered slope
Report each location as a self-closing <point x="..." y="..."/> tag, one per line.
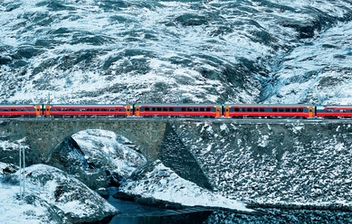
<point x="109" y="151"/>
<point x="51" y="196"/>
<point x="166" y="51"/>
<point x="164" y="184"/>
<point x="147" y="180"/>
<point x="317" y="72"/>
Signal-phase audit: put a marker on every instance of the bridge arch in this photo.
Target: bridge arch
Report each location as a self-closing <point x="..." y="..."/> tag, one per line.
<point x="156" y="139"/>
<point x="99" y="158"/>
<point x="45" y="135"/>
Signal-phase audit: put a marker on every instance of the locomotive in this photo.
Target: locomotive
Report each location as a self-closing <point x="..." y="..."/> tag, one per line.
<point x="178" y="110"/>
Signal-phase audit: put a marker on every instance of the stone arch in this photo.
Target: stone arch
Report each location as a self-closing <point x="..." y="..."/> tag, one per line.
<point x="46" y="134"/>
<point x="95" y="157"/>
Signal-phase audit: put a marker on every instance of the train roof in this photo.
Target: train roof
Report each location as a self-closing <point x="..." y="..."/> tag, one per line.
<point x="18" y="105"/>
<point x="336" y="106"/>
<point x="176" y="105"/>
<point x="268" y="105"/>
<point x="87" y="105"/>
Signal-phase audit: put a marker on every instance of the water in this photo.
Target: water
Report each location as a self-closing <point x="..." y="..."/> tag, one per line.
<point x="133" y="213"/>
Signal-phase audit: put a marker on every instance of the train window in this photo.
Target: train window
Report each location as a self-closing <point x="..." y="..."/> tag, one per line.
<point x="183" y="109"/>
<point x="249" y="109"/>
<point x="274" y="109"/>
<point x="261" y="109"/>
<point x="300" y="110"/>
<point x="281" y="110"/>
<point x="171" y="109"/>
<point x="165" y="109"/>
<point x="287" y="109"/>
<point x="201" y="109"/>
<point x="237" y="109"/>
<point x="255" y="109"/>
<point x="159" y="108"/>
<point x="208" y="109"/>
<point x="294" y="110"/>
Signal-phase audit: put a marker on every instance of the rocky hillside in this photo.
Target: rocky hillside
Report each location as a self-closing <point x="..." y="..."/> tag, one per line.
<point x="170" y="51"/>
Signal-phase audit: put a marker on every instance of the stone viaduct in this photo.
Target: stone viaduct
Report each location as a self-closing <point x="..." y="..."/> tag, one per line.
<point x="44" y="134"/>
<point x="208" y="150"/>
<point x="154" y="137"/>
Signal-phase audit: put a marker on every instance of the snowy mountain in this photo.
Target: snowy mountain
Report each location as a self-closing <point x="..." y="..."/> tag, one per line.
<point x="246" y="51"/>
<point x="115" y="51"/>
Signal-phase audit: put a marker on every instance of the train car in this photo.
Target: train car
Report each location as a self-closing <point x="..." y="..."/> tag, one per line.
<point x="270" y="111"/>
<point x="333" y="111"/>
<point x="87" y="110"/>
<point x="20" y="110"/>
<point x="178" y="110"/>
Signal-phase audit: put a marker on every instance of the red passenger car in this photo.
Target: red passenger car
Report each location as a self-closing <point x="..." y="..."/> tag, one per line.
<point x="265" y="110"/>
<point x="87" y="110"/>
<point x="178" y="110"/>
<point x="334" y="111"/>
<point x="20" y="110"/>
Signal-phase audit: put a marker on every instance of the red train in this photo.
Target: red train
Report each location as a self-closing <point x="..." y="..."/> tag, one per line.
<point x="178" y="110"/>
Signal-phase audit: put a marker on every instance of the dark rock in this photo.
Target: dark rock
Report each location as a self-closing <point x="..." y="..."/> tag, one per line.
<point x="10" y="154"/>
<point x="69" y="157"/>
<point x="114" y="179"/>
<point x="158" y="203"/>
<point x="103" y="192"/>
<point x="125" y="196"/>
<point x="8" y="169"/>
<point x="147" y="201"/>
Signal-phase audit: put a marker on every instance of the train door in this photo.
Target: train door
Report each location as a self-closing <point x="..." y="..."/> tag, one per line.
<point x="227" y="111"/>
<point x="128" y="110"/>
<point x="137" y="111"/>
<point x="310" y="112"/>
<point x="38" y="110"/>
<point x="218" y="111"/>
<point x="47" y="110"/>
